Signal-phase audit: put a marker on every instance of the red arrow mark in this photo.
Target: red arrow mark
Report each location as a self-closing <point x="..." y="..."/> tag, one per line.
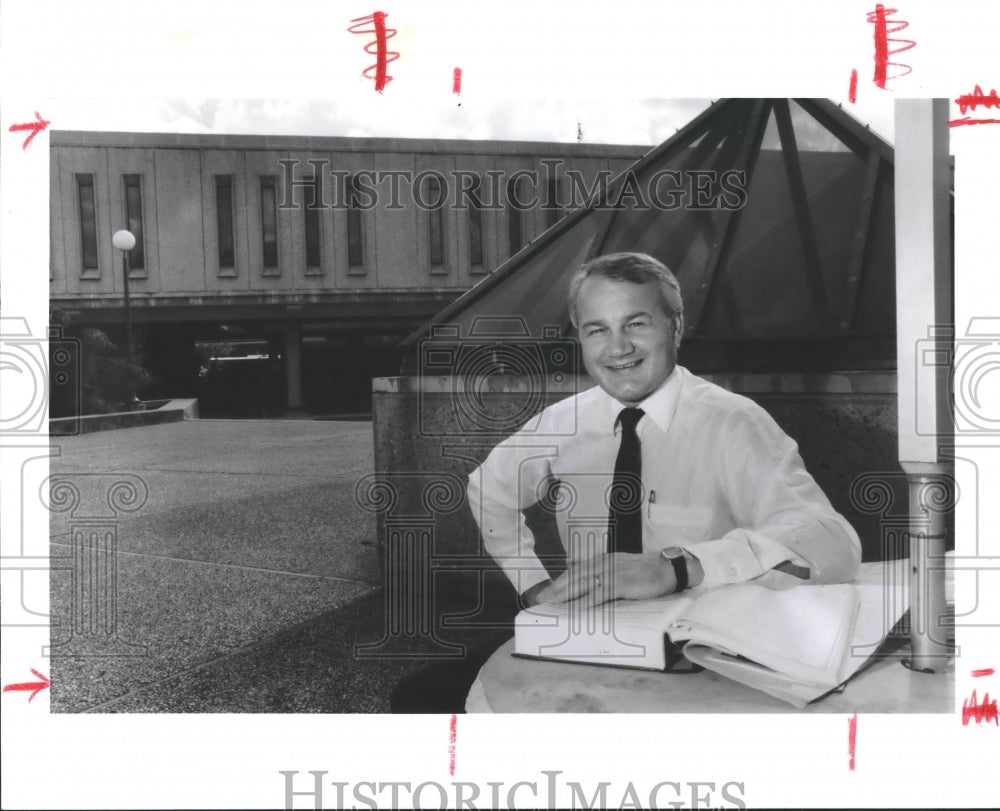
<point x="34" y="686"/>
<point x="34" y="126"/>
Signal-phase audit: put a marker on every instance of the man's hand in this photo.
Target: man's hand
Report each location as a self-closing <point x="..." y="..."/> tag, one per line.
<point x="531" y="596"/>
<point x="612" y="576"/>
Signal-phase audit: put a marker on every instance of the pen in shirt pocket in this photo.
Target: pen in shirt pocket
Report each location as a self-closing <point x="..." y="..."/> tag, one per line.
<point x="652" y="501"/>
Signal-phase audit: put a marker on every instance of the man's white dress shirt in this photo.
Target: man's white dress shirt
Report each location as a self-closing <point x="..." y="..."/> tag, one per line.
<point x="720" y="479"/>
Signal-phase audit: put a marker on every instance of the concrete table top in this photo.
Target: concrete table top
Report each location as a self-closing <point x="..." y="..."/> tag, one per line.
<point x="884" y="685"/>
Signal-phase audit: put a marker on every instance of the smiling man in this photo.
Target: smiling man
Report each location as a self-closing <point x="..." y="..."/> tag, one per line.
<point x="664" y="480"/>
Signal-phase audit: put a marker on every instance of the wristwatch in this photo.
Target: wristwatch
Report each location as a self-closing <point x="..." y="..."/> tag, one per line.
<point x="675" y="555"/>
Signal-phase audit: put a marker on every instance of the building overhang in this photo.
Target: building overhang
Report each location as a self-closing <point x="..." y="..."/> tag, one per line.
<point x="388" y="309"/>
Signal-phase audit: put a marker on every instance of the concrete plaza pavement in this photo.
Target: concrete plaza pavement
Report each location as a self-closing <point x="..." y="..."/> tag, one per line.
<point x="246" y="572"/>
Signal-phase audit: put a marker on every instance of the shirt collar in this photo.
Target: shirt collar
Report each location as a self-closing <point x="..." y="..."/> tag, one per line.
<point x="659" y="406"/>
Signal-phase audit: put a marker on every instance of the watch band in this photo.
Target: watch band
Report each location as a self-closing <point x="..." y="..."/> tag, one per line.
<point x="677" y="559"/>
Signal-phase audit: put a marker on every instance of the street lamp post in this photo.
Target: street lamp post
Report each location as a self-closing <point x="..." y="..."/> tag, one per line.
<point x="124" y="241"/>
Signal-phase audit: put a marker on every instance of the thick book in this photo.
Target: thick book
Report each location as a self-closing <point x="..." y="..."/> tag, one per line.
<point x="796" y="643"/>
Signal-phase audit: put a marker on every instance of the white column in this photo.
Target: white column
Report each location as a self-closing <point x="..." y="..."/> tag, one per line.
<point x="923" y="344"/>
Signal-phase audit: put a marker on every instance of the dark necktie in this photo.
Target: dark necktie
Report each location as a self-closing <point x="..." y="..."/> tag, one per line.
<point x="625" y="515"/>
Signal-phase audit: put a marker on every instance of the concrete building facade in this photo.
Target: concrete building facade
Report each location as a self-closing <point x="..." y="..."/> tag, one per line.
<point x="307" y="257"/>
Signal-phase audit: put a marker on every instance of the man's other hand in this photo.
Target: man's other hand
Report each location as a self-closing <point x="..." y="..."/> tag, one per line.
<point x="612" y="576"/>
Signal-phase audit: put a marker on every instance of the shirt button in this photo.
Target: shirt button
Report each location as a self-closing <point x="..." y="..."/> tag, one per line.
<point x="733" y="571"/>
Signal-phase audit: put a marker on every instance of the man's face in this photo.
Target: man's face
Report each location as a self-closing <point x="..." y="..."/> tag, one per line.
<point x="629" y="343"/>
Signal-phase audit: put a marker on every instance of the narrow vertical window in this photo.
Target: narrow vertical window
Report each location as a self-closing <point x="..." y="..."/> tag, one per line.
<point x="312" y="207"/>
<point x="224" y="220"/>
<point x="553" y="211"/>
<point x="515" y="231"/>
<point x="133" y="218"/>
<point x="475" y="225"/>
<point x="269" y="220"/>
<point x="88" y="221"/>
<point x="355" y="238"/>
<point x="436" y="220"/>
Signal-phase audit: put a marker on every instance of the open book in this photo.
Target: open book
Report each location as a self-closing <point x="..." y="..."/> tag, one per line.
<point x="796" y="643"/>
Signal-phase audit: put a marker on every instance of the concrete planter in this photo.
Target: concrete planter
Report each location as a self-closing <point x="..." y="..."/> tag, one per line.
<point x="153" y="412"/>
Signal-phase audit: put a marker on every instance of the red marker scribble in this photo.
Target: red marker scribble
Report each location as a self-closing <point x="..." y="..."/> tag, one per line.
<point x="34" y="686"/>
<point x="452" y="737"/>
<point x="34" y="127"/>
<point x="962" y="122"/>
<point x="377" y="47"/>
<point x="882" y="40"/>
<point x="973" y="711"/>
<point x="852" y="93"/>
<point x="971" y="101"/>
<point x="852" y="739"/>
<point x="456" y="81"/>
<point x="986" y="671"/>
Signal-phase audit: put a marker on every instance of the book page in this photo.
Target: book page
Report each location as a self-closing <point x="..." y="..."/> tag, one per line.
<point x="881" y="605"/>
<point x="802" y="631"/>
<point x="785" y="688"/>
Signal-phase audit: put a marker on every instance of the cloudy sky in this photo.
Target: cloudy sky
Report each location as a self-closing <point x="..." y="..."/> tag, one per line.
<point x="623" y="121"/>
<point x="626" y="72"/>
